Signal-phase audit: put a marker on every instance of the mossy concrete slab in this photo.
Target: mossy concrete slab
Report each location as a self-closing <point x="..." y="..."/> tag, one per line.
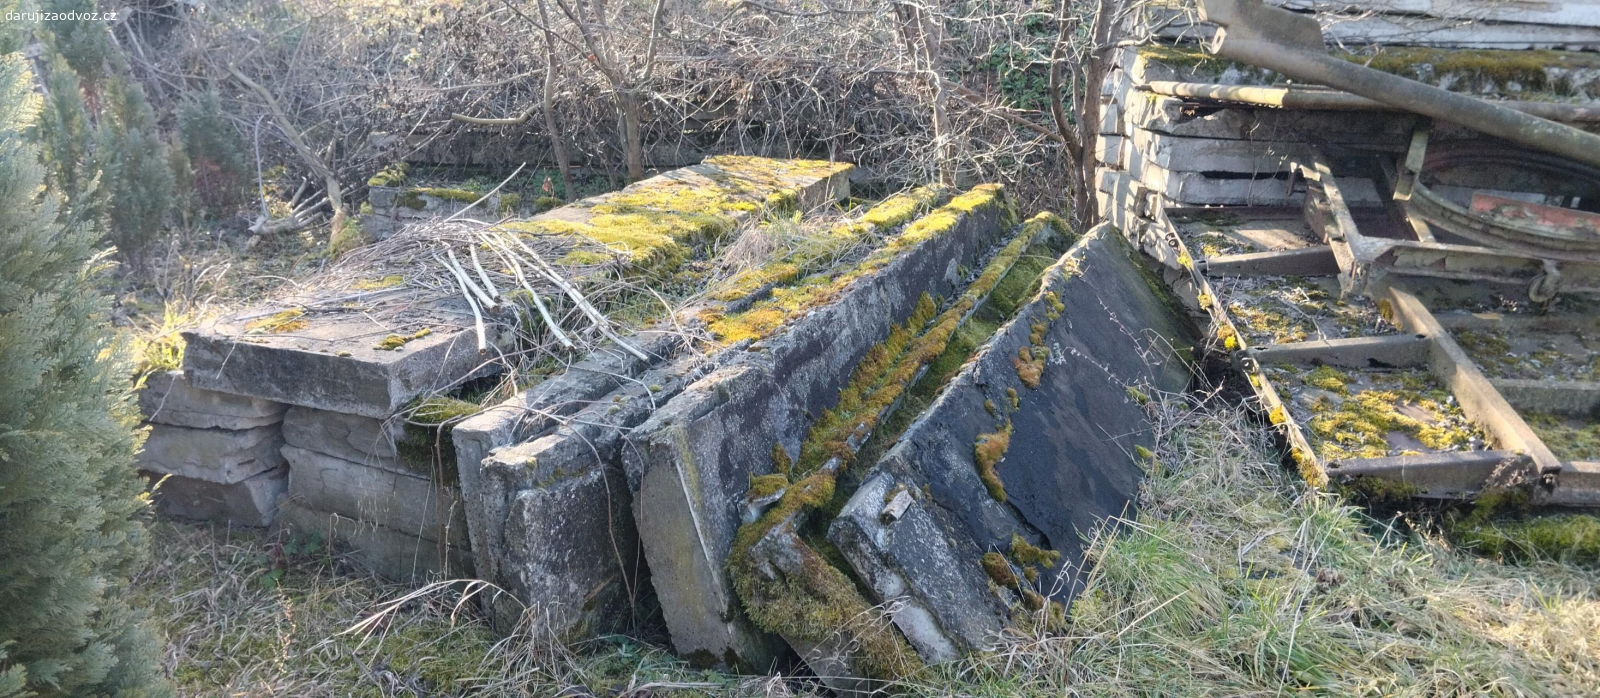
<point x="1066" y="379"/>
<point x="553" y="520"/>
<point x="315" y="350"/>
<point x="692" y="461"/>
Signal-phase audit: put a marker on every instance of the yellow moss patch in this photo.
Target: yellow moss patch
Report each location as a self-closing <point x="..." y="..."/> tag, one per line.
<point x="378" y="284"/>
<point x="395" y="342"/>
<point x="987" y="451"/>
<point x="1328" y="378"/>
<point x="1358" y="427"/>
<point x="392" y="176"/>
<point x="1016" y="400"/>
<point x="995" y="565"/>
<point x="291" y="320"/>
<point x="1026" y="553"/>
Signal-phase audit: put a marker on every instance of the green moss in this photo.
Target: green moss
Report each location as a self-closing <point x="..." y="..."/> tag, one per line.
<point x="395" y="342"/>
<point x="435" y="411"/>
<point x="1378" y="490"/>
<point x="392" y="176"/>
<point x="291" y="320"/>
<point x="767" y="485"/>
<point x="411" y="200"/>
<point x="1569" y="443"/>
<point x="365" y="209"/>
<point x="987" y="451"/>
<point x="780" y="460"/>
<point x="509" y="203"/>
<point x="766" y="316"/>
<point x="1328" y="378"/>
<point x="1482" y="69"/>
<point x="346" y="238"/>
<point x="1026" y="553"/>
<point x="1137" y="395"/>
<point x="1359" y="425"/>
<point x="1144" y="454"/>
<point x="546" y="203"/>
<point x="378" y="284"/>
<point x="584" y="258"/>
<point x="995" y="565"/>
<point x="465" y="196"/>
<point x="1016" y="400"/>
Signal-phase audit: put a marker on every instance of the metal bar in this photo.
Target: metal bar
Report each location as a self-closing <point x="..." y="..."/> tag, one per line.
<point x="1306" y="261"/>
<point x="1277" y="39"/>
<point x="1477" y="397"/>
<point x="1391" y="351"/>
<point x="1334" y="100"/>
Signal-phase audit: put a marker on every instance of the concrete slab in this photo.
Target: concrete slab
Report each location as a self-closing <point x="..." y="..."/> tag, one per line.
<point x="692" y="460"/>
<point x="1073" y="423"/>
<point x="386" y="552"/>
<point x="364" y="440"/>
<point x="167" y="398"/>
<point x="313" y="350"/>
<point x="223" y="456"/>
<point x="405" y="503"/>
<point x="251" y="502"/>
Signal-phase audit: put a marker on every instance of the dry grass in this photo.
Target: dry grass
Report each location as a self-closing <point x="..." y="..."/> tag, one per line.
<point x="1232" y="580"/>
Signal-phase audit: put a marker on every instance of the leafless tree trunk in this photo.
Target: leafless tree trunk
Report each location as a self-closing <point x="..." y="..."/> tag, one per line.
<point x="924" y="38"/>
<point x="626" y="80"/>
<point x="558" y="138"/>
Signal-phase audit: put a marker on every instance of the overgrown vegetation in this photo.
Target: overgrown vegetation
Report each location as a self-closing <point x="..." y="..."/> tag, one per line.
<point x="68" y="432"/>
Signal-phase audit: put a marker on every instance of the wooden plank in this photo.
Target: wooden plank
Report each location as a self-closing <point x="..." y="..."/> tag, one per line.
<point x="1389" y="351"/>
<point x="1307" y="261"/>
<point x="1478" y="399"/>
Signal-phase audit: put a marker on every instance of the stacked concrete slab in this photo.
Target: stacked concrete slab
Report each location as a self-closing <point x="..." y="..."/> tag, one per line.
<point x="342" y="454"/>
<point x="216" y="455"/>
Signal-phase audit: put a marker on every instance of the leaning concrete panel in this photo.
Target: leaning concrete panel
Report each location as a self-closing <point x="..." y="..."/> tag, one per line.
<point x="692" y="460"/>
<point x="1061" y="385"/>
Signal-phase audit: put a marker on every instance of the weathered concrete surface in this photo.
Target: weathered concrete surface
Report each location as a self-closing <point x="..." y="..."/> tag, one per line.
<point x="328" y="356"/>
<point x="386" y="552"/>
<point x="402" y="502"/>
<point x="252" y="501"/>
<point x="223" y="456"/>
<point x="1070" y="463"/>
<point x="691" y="462"/>
<point x="555" y="520"/>
<point x="533" y="412"/>
<point x="1174" y="116"/>
<point x="321" y="367"/>
<point x="168" y="399"/>
<point x="352" y="437"/>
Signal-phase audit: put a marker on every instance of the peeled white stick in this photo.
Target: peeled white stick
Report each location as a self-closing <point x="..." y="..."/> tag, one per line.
<point x="595" y="316"/>
<point x="516" y="269"/>
<point x="484" y="275"/>
<point x="477" y="315"/>
<point x="461" y="272"/>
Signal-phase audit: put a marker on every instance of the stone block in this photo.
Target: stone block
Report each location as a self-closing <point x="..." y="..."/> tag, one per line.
<point x="405" y="503"/>
<point x="1111" y="334"/>
<point x="352" y="437"/>
<point x="167" y="398"/>
<point x="556" y="512"/>
<point x="223" y="456"/>
<point x="386" y="552"/>
<point x="533" y="412"/>
<point x="252" y="501"/>
<point x="691" y="462"/>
